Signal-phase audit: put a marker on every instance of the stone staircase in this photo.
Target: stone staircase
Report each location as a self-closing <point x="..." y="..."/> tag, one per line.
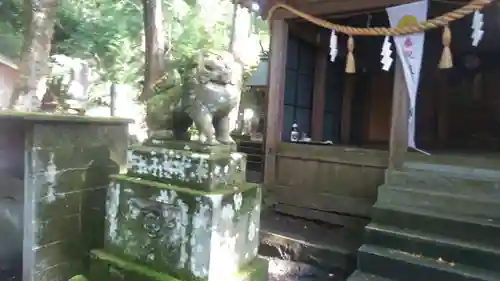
<point x="255" y="159"/>
<point x="434" y="223"/>
<point x="330" y="249"/>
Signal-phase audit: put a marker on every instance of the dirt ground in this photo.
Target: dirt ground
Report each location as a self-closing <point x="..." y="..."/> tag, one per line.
<point x="281" y="270"/>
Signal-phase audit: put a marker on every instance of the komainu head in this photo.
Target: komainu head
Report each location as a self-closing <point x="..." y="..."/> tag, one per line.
<point x="216" y="66"/>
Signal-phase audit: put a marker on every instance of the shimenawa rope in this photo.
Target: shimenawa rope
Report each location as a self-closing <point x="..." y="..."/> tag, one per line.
<point x="440" y="21"/>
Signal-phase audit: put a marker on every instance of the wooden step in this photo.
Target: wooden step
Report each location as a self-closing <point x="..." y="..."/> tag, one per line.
<point x="328" y="247"/>
<point x="434" y="246"/>
<point x="404" y="266"/>
<point x="479" y="230"/>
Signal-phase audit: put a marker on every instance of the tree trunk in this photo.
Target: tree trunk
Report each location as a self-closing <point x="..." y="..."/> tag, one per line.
<point x="238" y="34"/>
<point x="155" y="46"/>
<point x="233" y="38"/>
<point x="34" y="67"/>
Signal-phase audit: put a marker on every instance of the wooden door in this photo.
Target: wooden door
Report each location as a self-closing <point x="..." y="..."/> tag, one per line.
<point x="299" y="82"/>
<point x="333" y="101"/>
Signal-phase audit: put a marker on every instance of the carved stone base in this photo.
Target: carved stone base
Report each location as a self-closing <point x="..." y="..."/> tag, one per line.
<point x="108" y="267"/>
<point x="187" y="233"/>
<point x="198" y="167"/>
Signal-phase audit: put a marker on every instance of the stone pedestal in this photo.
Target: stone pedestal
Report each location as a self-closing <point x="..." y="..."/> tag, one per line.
<point x="183" y="211"/>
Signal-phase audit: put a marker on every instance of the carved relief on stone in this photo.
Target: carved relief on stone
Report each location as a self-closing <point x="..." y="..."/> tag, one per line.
<point x="159" y="222"/>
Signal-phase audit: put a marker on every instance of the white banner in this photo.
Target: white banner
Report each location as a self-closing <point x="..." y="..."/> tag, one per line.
<point x="410" y="49"/>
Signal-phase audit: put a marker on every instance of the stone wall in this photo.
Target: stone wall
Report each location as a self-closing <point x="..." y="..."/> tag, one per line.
<point x="11" y="198"/>
<point x="12" y="148"/>
<point x="67" y="161"/>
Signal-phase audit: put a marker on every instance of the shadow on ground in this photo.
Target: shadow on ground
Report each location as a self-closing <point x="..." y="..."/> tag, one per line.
<point x="282" y="270"/>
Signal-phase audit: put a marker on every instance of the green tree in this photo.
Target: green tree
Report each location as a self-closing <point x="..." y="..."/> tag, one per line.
<point x="39" y="18"/>
<point x="155" y="45"/>
<point x="109" y="34"/>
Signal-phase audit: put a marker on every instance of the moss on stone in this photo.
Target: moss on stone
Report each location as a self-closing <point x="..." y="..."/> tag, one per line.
<point x="68" y="163"/>
<point x="192" y="146"/>
<point x="153" y="184"/>
<point x="257" y="270"/>
<point x="207" y="170"/>
<point x="214" y="153"/>
<point x="129" y="266"/>
<point x="39" y="116"/>
<point x="200" y="220"/>
<point x="78" y="278"/>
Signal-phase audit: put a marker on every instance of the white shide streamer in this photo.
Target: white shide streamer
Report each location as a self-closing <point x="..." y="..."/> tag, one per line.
<point x="333" y="46"/>
<point x="386" y="54"/>
<point x="477" y="28"/>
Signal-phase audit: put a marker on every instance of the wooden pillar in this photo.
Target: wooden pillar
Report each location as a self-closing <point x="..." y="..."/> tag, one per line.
<point x="347" y="96"/>
<point x="318" y="107"/>
<point x="398" y="144"/>
<point x="275" y="96"/>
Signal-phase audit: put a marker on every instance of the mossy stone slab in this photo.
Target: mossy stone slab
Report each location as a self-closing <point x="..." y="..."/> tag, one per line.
<point x="192" y="146"/>
<point x="190" y="234"/>
<point x="197" y="170"/>
<point x="105" y="266"/>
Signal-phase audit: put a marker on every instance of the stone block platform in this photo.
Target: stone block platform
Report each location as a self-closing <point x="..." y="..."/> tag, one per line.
<point x="174" y="229"/>
<point x="182" y="211"/>
<point x="109" y="267"/>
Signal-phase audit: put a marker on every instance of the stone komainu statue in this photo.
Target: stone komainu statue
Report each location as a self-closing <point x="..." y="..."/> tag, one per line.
<point x="208" y="91"/>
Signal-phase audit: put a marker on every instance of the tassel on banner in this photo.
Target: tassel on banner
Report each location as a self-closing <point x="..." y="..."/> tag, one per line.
<point x="350" y="66"/>
<point x="446" y="61"/>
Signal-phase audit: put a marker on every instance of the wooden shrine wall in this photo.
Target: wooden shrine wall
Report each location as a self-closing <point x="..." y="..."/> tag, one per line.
<point x="332" y="180"/>
<point x="332" y="183"/>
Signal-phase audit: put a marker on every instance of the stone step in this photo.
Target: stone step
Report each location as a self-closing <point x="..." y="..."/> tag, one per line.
<point x="469" y="184"/>
<point x="433" y="246"/>
<point x="331" y="248"/>
<point x="206" y="170"/>
<point x="361" y="276"/>
<point x="404" y="266"/>
<point x="467" y="169"/>
<point x="479" y="230"/>
<point x="472" y="205"/>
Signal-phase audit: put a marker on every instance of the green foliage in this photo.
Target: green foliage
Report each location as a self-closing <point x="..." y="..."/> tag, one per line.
<point x="108" y="34"/>
<point x="60" y="76"/>
<point x="78" y="278"/>
<point x="10" y="27"/>
<point x="10" y="41"/>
